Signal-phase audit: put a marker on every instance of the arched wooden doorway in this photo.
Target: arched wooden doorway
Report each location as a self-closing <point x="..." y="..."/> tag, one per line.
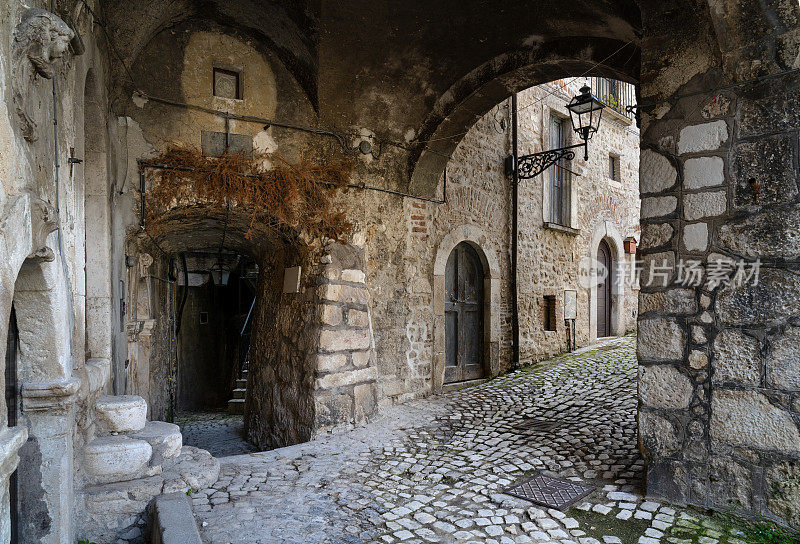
<point x="463" y="303"/>
<point x="604" y="269"/>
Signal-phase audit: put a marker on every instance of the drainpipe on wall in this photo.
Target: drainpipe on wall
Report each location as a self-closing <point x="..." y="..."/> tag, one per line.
<point x="514" y="198"/>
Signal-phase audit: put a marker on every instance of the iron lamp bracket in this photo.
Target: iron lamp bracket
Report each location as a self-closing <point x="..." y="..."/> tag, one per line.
<point x="530" y="166"/>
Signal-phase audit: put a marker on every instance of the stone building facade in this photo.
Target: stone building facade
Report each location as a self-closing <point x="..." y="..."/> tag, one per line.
<point x="88" y="88"/>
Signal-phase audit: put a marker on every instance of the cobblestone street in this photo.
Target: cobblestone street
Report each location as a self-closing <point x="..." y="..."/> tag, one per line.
<point x="435" y="470"/>
<point x="219" y="433"/>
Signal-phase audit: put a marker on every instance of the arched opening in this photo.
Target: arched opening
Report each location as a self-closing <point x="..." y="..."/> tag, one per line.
<point x="466" y="326"/>
<point x="574" y="213"/>
<point x="204" y="285"/>
<point x="463" y="314"/>
<point x="216" y="294"/>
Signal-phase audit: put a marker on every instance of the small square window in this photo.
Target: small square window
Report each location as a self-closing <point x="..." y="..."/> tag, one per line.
<point x="549" y="308"/>
<point x="613" y="167"/>
<point x="204" y="318"/>
<point x="227" y="84"/>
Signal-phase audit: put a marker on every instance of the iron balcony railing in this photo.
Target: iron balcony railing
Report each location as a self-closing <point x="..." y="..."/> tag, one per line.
<point x="615" y="94"/>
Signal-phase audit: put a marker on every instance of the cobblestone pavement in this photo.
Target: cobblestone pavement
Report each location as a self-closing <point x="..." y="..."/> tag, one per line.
<point x="220" y="433"/>
<point x="434" y="470"/>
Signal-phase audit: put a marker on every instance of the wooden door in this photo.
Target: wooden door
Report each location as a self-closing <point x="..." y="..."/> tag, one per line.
<point x="463" y="306"/>
<point x="604" y="290"/>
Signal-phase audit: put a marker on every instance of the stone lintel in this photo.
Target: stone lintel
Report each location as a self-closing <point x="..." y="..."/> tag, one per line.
<point x="42" y="396"/>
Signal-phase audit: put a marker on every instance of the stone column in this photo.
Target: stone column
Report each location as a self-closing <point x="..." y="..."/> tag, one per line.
<point x="46" y="474"/>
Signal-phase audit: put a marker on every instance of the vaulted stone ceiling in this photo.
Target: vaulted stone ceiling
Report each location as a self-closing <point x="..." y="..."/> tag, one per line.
<point x="421" y="73"/>
<point x="287" y="27"/>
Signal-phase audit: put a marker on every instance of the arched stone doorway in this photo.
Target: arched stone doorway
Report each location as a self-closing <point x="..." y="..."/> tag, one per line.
<point x="463" y="312"/>
<point x="480" y="252"/>
<point x="607" y="236"/>
<point x="605" y="279"/>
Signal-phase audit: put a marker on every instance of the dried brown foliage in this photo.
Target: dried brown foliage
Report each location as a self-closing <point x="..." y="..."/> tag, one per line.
<point x="297" y="197"/>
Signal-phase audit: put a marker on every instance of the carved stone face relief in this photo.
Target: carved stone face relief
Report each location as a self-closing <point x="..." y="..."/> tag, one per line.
<point x="39" y="40"/>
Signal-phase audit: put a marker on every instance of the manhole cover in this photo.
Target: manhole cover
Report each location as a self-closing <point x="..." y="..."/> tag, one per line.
<point x="534" y="424"/>
<point x="549" y="492"/>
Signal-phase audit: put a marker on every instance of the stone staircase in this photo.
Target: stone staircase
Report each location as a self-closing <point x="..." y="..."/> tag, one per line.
<point x="131" y="461"/>
<point x="236" y="404"/>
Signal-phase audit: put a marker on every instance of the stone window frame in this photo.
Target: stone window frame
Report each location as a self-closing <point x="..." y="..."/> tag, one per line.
<point x="554" y="105"/>
<point x="228" y="69"/>
<point x="608" y="231"/>
<point x="480" y="241"/>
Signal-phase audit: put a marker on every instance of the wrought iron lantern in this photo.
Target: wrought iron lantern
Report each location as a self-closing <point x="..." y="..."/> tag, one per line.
<point x="585" y="111"/>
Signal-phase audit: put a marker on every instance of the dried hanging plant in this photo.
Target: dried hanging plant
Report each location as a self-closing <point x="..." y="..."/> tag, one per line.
<point x="274" y="192"/>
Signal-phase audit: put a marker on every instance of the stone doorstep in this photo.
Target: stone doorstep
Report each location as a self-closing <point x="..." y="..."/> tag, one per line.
<point x="117" y="458"/>
<point x="236" y="406"/>
<point x="165" y="439"/>
<point x="122" y="413"/>
<point x="109" y="506"/>
<point x="449" y="387"/>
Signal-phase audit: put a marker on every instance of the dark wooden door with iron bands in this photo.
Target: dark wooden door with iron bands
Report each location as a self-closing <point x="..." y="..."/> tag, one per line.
<point x="464" y="315"/>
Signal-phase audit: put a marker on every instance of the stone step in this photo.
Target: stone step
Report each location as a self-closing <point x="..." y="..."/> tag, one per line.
<point x="165" y="439"/>
<point x="122" y="413"/>
<point x="239" y="393"/>
<point x="236" y="406"/>
<point x="117" y="459"/>
<point x="241" y="383"/>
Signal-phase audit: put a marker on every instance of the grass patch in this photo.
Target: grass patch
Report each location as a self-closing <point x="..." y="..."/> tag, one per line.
<point x="597" y="525"/>
<point x="729" y="529"/>
<point x="763" y="531"/>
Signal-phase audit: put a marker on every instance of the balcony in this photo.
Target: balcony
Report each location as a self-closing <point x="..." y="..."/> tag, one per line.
<point x="615" y="94"/>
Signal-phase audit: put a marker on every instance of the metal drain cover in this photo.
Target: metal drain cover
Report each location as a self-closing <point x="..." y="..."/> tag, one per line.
<point x="534" y="424"/>
<point x="549" y="492"/>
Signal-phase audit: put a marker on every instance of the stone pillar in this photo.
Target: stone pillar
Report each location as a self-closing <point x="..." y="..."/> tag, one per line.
<point x="46" y="497"/>
<point x="344" y="390"/>
<point x="719" y="371"/>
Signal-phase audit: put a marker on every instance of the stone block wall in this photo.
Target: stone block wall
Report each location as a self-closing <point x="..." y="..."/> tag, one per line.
<point x="719" y="381"/>
<point x="345" y="385"/>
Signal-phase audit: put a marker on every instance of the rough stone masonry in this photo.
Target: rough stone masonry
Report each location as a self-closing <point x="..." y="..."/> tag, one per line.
<point x="89" y="88"/>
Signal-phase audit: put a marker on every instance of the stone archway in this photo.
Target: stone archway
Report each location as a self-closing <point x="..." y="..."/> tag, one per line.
<point x="480" y="241"/>
<point x="606" y="231"/>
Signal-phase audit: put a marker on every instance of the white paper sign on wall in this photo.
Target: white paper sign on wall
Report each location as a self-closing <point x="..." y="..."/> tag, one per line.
<point x="291" y="279"/>
<point x="570" y="304"/>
